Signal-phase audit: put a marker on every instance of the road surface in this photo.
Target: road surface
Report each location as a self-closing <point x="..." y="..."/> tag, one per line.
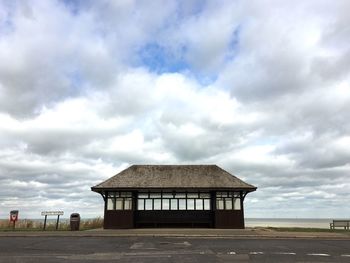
<point x="175" y="249"/>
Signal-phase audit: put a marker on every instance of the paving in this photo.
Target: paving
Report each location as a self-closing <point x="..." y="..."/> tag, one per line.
<point x="183" y="232"/>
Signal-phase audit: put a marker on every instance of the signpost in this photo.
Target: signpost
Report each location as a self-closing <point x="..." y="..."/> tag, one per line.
<point x="52" y="213"/>
<point x="14" y="217"/>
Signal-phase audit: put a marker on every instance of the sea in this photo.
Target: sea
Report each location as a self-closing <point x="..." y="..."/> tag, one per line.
<point x="288" y="222"/>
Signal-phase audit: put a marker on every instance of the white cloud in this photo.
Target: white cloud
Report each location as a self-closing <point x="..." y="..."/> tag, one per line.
<point x="262" y="89"/>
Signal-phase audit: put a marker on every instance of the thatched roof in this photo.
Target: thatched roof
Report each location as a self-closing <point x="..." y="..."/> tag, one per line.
<point x="173" y="177"/>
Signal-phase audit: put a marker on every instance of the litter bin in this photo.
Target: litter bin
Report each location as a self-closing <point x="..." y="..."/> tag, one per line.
<point x="74" y="222"/>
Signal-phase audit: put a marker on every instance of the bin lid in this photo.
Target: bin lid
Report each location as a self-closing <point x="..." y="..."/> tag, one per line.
<point x="75" y="215"/>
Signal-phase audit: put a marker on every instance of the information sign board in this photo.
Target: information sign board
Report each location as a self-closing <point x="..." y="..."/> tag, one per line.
<point x="52" y="213"/>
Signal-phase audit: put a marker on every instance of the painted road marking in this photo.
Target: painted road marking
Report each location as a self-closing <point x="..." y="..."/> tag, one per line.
<point x="345" y="255"/>
<point x="231" y="253"/>
<point x="256" y="253"/>
<point x="319" y="254"/>
<point x="284" y="253"/>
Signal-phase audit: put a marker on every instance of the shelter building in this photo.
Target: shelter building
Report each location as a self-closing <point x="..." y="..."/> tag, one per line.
<point x="173" y="196"/>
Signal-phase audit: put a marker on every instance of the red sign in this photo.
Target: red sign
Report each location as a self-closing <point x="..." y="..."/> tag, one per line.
<point x="14" y="215"/>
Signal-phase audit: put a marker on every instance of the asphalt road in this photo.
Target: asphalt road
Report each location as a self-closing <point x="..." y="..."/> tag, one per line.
<point x="179" y="250"/>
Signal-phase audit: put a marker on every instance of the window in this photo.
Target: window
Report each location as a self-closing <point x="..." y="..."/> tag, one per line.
<point x="206" y="204"/>
<point x="165" y="204"/>
<point x="190" y="204"/>
<point x="143" y="195"/>
<point x="204" y="195"/>
<point x="127" y="203"/>
<point x="155" y="195"/>
<point x="220" y="203"/>
<point x="173" y="201"/>
<point x="110" y="204"/>
<point x="180" y="195"/>
<point x="149" y="205"/>
<point x="174" y="204"/>
<point x="119" y="201"/>
<point x="119" y="204"/>
<point x="157" y="204"/>
<point x="141" y="204"/>
<point x="228" y="201"/>
<point x="237" y="204"/>
<point x="182" y="204"/>
<point x="199" y="204"/>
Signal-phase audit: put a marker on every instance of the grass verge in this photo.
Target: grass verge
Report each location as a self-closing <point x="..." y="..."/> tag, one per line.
<point x="38" y="225"/>
<point x="302" y="229"/>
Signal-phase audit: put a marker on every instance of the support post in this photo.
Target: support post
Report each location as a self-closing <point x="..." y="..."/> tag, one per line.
<point x="45" y="222"/>
<point x="14" y="224"/>
<point x="58" y="219"/>
<point x="242" y="196"/>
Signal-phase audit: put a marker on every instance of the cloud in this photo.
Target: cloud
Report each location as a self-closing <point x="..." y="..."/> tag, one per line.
<point x="261" y="88"/>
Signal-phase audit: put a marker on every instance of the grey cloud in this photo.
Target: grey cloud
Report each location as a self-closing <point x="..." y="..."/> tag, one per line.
<point x="37" y="183"/>
<point x="278" y="60"/>
<point x="330" y="68"/>
<point x="285" y="106"/>
<point x="52" y="56"/>
<point x="316" y="153"/>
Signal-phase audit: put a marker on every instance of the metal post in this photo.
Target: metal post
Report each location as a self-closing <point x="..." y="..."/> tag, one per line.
<point x="58" y="219"/>
<point x="45" y="222"/>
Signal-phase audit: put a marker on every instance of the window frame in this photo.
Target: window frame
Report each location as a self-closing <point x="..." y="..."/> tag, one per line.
<point x="122" y="198"/>
<point x="176" y="201"/>
<point x="228" y="197"/>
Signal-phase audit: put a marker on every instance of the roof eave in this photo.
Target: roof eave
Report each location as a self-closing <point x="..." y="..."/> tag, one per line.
<point x="103" y="189"/>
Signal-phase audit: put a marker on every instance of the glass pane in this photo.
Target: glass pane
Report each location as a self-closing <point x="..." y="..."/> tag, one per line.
<point x="190" y="204"/>
<point x="127" y="204"/>
<point x="141" y="204"/>
<point x="157" y="204"/>
<point x="230" y="194"/>
<point x="148" y="204"/>
<point x="155" y="195"/>
<point x="180" y="195"/>
<point x="167" y="195"/>
<point x="237" y="194"/>
<point x="111" y="194"/>
<point x="125" y="194"/>
<point x="182" y="204"/>
<point x="192" y="195"/>
<point x="221" y="194"/>
<point x="119" y="204"/>
<point x="228" y="203"/>
<point x="199" y="204"/>
<point x="206" y="204"/>
<point x="110" y="204"/>
<point x="204" y="195"/>
<point x="165" y="204"/>
<point x="220" y="204"/>
<point x="237" y="205"/>
<point x="142" y="195"/>
<point x="173" y="204"/>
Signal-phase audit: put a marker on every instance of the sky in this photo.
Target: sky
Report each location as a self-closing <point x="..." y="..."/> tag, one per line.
<point x="260" y="88"/>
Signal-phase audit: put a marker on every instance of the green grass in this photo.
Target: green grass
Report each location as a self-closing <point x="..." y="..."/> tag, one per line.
<point x="301" y="229"/>
<point x="30" y="225"/>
